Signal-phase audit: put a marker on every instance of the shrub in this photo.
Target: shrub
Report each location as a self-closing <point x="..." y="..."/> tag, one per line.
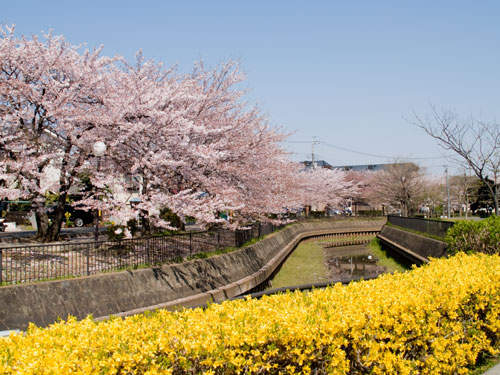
<point x="68" y="221"/>
<point x="475" y="236"/>
<point x="168" y="215"/>
<point x="133" y="227"/>
<point x="317" y="214"/>
<point x="115" y="232"/>
<point x="371" y="213"/>
<point x="436" y="319"/>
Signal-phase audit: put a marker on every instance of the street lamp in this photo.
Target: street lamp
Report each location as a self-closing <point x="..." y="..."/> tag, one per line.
<point x="99" y="149"/>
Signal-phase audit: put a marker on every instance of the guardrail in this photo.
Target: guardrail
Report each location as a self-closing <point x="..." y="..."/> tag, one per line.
<point x="31" y="263"/>
<point x="434" y="227"/>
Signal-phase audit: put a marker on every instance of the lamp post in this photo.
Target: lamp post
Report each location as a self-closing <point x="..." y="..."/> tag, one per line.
<point x="99" y="149"/>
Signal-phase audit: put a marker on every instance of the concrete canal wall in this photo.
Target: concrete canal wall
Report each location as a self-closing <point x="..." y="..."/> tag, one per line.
<point x="188" y="284"/>
<point x="414" y="247"/>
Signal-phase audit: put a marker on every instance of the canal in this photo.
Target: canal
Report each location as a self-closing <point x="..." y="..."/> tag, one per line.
<point x="319" y="260"/>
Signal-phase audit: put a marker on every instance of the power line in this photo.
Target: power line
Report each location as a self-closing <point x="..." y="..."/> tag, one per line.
<point x="376" y="155"/>
<point x="366" y="153"/>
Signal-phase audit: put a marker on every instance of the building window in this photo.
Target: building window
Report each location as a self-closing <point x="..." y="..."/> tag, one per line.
<point x="132" y="183"/>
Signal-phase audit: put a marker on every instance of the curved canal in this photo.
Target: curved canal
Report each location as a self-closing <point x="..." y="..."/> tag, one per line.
<point x="334" y="259"/>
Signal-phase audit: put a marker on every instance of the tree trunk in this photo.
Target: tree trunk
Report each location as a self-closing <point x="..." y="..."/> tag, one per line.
<point x="48" y="232"/>
<point x="404" y="209"/>
<point x="493" y="188"/>
<point x="42" y="221"/>
<point x="145" y="224"/>
<point x="495" y="202"/>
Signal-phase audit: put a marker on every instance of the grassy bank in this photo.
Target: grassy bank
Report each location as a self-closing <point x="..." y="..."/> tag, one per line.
<point x="385" y="259"/>
<point x="305" y="265"/>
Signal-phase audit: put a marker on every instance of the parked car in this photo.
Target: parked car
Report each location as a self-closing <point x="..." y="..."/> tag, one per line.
<point x="79" y="217"/>
<point x="347" y="212"/>
<point x="335" y="212"/>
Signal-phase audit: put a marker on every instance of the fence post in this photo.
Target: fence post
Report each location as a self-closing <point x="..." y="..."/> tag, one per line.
<point x="119" y="253"/>
<point x="88" y="259"/>
<point x="190" y="244"/>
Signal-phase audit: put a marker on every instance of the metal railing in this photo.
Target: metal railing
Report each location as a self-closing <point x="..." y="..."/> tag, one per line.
<point x="30" y="263"/>
<point x="434" y="227"/>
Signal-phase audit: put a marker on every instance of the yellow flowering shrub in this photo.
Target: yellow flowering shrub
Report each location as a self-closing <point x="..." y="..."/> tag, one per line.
<point x="435" y="319"/>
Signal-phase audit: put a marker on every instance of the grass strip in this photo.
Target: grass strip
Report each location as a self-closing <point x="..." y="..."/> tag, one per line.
<point x="305" y="265"/>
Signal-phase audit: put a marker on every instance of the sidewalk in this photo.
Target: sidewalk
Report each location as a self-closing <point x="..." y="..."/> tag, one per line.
<point x="495" y="370"/>
<point x="12" y="227"/>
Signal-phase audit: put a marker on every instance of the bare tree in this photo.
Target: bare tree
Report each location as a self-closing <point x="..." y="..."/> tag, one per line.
<point x="434" y="195"/>
<point x="475" y="143"/>
<point x="463" y="188"/>
<point x="398" y="183"/>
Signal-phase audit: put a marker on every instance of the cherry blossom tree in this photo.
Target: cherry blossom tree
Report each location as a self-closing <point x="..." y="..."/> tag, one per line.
<point x="398" y="184"/>
<point x="359" y="187"/>
<point x="51" y="102"/>
<point x="196" y="146"/>
<point x="326" y="187"/>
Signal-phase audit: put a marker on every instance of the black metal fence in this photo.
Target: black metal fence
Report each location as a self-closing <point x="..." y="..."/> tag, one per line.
<point x="29" y="263"/>
<point x="434" y="227"/>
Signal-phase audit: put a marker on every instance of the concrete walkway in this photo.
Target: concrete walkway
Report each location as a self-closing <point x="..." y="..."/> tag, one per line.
<point x="495" y="370"/>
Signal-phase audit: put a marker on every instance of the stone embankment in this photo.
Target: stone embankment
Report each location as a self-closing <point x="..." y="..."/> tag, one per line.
<point x="187" y="284"/>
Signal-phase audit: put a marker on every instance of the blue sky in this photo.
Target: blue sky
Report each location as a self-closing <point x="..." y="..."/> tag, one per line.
<point x="347" y="73"/>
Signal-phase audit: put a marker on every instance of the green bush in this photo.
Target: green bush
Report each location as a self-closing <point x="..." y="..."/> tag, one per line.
<point x="371" y="213"/>
<point x="133" y="226"/>
<point x="168" y="215"/>
<point x="317" y="214"/>
<point x="21" y="206"/>
<point x="116" y="232"/>
<point x="475" y="236"/>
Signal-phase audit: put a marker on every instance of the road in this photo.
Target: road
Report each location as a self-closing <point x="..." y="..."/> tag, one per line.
<point x="64" y="231"/>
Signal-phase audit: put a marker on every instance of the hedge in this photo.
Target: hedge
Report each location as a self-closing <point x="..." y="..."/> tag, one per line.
<point x="436" y="319"/>
<point x="475" y="236"/>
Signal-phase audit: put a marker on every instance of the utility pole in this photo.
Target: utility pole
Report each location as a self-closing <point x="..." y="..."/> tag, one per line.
<point x="448" y="192"/>
<point x="314" y="142"/>
<point x="466" y="195"/>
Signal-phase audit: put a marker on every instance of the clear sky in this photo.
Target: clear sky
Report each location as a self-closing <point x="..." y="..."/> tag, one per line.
<point x="345" y="72"/>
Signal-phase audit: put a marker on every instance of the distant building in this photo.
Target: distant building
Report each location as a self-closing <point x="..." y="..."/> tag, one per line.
<point x="354" y="168"/>
<point x="317" y="164"/>
<point x="363" y="167"/>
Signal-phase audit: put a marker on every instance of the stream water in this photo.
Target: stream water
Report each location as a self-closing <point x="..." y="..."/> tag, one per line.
<point x="351" y="262"/>
<point x="316" y="262"/>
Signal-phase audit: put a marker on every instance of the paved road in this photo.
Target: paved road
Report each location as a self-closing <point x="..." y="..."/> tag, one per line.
<point x="65" y="232"/>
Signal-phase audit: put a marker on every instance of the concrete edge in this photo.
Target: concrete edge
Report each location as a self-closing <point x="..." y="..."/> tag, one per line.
<point x="402" y="250"/>
<point x="238" y="287"/>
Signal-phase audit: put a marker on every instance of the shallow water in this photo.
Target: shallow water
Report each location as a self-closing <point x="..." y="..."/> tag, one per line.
<point x="326" y="264"/>
<point x="351" y="262"/>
